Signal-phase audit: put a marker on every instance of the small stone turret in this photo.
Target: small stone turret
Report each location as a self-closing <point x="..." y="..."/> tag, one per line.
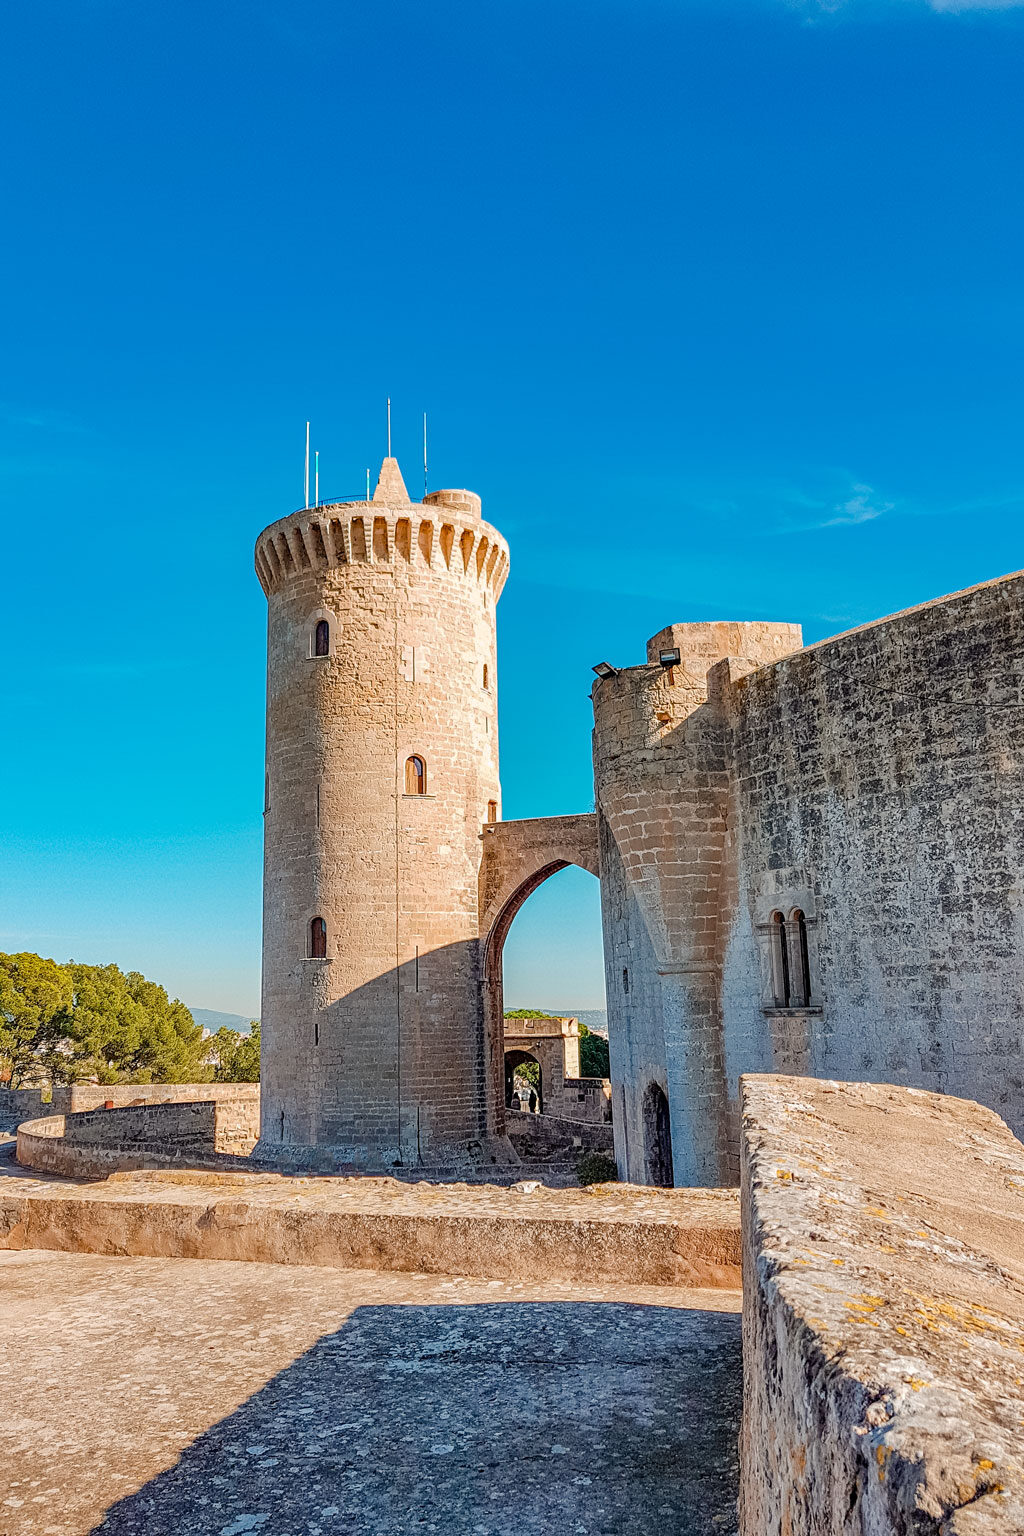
<point x="382" y="767"/>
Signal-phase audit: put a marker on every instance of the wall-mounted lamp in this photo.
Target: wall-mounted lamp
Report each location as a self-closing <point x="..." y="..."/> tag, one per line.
<point x="605" y="670"/>
<point x="669" y="658"/>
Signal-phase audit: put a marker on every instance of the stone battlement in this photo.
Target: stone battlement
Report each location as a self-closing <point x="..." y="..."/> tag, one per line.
<point x="444" y="533"/>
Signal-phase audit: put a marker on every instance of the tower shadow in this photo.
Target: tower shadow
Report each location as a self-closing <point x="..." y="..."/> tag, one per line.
<point x="608" y="1419"/>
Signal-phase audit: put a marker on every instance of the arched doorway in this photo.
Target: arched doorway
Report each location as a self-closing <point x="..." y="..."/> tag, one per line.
<point x="524" y="1080"/>
<point x="519" y="858"/>
<point x="657" y="1138"/>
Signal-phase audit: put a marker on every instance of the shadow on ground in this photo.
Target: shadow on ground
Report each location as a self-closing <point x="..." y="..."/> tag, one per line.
<point x="588" y="1419"/>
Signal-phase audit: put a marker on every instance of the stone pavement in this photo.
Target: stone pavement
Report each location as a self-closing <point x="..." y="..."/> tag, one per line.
<point x="178" y="1397"/>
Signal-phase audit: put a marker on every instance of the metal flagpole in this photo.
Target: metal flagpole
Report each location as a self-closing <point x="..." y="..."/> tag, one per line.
<point x="305" y="483"/>
<point x="389" y="426"/>
<point x="424" y="453"/>
<point x="316" y="482"/>
<point x="367" y="484"/>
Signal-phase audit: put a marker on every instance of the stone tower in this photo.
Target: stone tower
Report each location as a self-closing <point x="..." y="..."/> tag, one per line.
<point x="382" y="768"/>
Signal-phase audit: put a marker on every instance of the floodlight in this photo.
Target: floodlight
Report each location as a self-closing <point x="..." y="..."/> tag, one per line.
<point x="605" y="670"/>
<point x="669" y="658"/>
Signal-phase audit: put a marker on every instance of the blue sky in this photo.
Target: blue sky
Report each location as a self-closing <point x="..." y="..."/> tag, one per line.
<point x="718" y="305"/>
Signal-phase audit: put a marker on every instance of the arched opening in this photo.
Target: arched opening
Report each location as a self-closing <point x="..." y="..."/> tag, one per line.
<point x="322" y="638"/>
<point x="657" y="1138"/>
<point x="524" y="1082"/>
<point x="415" y="776"/>
<point x="780" y="961"/>
<point x="545" y="964"/>
<point x="318" y="939"/>
<point x="492" y="811"/>
<point x="801" y="967"/>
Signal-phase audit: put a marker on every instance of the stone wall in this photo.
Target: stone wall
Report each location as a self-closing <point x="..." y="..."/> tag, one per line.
<point x="152" y="1127"/>
<point x="238" y="1104"/>
<point x="93" y="1143"/>
<point x="18" y="1104"/>
<point x="542" y="1137"/>
<point x="587" y="1098"/>
<point x="662" y="774"/>
<point x="869" y="792"/>
<point x="883" y="1313"/>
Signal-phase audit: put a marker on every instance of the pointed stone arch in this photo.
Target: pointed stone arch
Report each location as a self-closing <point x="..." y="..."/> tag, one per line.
<point x="518" y="856"/>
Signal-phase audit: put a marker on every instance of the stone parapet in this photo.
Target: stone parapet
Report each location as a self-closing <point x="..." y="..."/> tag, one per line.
<point x="445" y="536"/>
<point x="605" y="1233"/>
<point x="883" y="1313"/>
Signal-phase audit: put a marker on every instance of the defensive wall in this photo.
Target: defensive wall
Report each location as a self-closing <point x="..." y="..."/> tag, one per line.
<point x="882" y="1244"/>
<point x="883" y="1313"/>
<point x="18" y="1104"/>
<point x="813" y="862"/>
<point x="94" y="1143"/>
<point x="237" y="1116"/>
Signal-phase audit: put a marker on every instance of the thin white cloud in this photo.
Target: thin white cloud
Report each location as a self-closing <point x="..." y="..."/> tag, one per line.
<point x="947" y="7"/>
<point x="863" y="506"/>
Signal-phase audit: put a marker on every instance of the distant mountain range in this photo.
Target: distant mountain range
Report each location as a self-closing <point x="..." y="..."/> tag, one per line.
<point x="210" y="1019"/>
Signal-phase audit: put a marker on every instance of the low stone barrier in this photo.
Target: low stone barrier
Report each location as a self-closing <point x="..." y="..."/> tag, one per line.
<point x="883" y="1313"/>
<point x="610" y="1232"/>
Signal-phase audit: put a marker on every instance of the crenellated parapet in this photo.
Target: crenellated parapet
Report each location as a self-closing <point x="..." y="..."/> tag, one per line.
<point x="444" y="533"/>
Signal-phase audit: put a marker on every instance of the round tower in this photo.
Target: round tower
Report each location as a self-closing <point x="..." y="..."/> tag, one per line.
<point x="382" y="767"/>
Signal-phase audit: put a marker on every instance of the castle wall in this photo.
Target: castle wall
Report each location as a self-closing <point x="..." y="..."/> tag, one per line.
<point x="871" y="783"/>
<point x="878" y="788"/>
<point x="668" y="873"/>
<point x="377" y="1049"/>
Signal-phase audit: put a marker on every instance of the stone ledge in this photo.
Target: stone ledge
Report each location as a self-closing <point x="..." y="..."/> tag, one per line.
<point x="883" y="1329"/>
<point x="649" y="1237"/>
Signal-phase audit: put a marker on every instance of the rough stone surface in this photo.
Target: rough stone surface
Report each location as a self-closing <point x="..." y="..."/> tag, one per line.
<point x="379" y="1049"/>
<point x="883" y="1313"/>
<point x="871" y="783"/>
<point x="554" y="1044"/>
<point x="662" y="777"/>
<point x="530" y="1232"/>
<point x="177" y="1398"/>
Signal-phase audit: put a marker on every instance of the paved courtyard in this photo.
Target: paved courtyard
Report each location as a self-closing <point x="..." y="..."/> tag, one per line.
<point x="174" y="1397"/>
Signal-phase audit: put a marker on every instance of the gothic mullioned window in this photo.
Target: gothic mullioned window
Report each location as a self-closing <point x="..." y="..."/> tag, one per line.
<point x="800" y="960"/>
<point x="780" y="961"/>
<point x="318" y="939"/>
<point x="415" y="776"/>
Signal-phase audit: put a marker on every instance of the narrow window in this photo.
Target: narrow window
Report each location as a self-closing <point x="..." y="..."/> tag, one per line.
<point x="800" y="960"/>
<point x="415" y="776"/>
<point x="780" y="961"/>
<point x="322" y="638"/>
<point x="492" y="810"/>
<point x="486" y="682"/>
<point x="625" y="978"/>
<point x="318" y="939"/>
<point x="266" y="791"/>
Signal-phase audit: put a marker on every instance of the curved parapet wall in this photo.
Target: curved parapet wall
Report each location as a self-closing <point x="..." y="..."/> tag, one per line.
<point x="883" y="1313"/>
<point x="97" y="1142"/>
<point x="444" y="533"/>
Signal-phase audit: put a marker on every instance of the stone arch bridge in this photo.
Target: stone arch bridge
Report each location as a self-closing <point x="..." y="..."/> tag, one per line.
<point x="518" y="856"/>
